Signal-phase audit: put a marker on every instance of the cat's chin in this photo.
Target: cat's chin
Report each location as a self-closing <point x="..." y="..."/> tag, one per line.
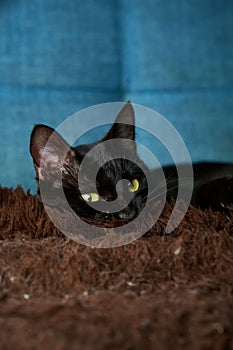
<point x="103" y="216"/>
<point x="127" y="214"/>
<point x="105" y="221"/>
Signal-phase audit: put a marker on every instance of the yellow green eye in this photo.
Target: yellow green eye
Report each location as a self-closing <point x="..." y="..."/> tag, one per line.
<point x="90" y="197"/>
<point x="133" y="185"/>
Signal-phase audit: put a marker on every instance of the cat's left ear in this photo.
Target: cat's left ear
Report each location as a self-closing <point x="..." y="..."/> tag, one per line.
<point x="124" y="125"/>
<point x="50" y="152"/>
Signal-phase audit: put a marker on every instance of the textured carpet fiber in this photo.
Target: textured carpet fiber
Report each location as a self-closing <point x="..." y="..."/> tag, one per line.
<point x="159" y="292"/>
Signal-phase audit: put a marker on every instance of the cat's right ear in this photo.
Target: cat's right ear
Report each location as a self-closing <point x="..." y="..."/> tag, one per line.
<point x="49" y="156"/>
<point x="124" y="125"/>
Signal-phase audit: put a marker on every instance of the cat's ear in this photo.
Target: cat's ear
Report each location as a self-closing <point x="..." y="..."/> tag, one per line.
<point x="49" y="156"/>
<point x="124" y="125"/>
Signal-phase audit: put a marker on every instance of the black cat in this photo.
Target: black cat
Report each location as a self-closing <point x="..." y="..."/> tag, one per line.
<point x="213" y="182"/>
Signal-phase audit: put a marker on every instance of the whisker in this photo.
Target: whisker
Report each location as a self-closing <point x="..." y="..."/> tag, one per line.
<point x="169" y="183"/>
<point x="157" y="196"/>
<point x="160" y="193"/>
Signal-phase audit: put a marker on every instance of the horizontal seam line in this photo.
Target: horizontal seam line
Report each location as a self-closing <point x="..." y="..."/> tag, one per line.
<point x="120" y="91"/>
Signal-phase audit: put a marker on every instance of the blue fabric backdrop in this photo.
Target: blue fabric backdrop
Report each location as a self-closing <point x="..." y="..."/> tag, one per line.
<point x="57" y="57"/>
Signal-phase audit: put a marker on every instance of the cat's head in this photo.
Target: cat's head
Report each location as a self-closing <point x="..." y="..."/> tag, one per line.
<point x="61" y="161"/>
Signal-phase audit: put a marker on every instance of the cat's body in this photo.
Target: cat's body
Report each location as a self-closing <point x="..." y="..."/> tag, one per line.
<point x="212" y="187"/>
<point x="58" y="160"/>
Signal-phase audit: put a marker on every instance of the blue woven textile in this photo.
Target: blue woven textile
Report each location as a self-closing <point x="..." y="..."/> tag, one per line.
<point x="57" y="57"/>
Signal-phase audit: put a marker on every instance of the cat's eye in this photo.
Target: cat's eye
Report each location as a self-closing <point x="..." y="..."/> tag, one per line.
<point x="133" y="185"/>
<point x="90" y="197"/>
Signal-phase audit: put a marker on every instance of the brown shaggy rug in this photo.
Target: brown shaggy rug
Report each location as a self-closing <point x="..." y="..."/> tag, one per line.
<point x="159" y="292"/>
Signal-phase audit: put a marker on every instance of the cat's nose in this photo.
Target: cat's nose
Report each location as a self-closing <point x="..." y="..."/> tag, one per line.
<point x="127" y="214"/>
